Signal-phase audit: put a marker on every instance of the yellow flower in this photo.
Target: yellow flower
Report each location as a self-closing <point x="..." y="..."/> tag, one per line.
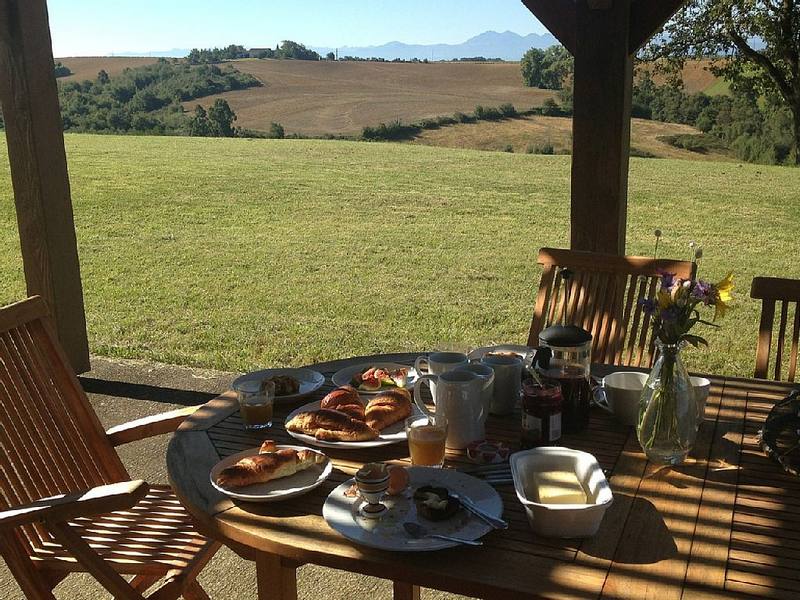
<point x="664" y="299"/>
<point x="724" y="296"/>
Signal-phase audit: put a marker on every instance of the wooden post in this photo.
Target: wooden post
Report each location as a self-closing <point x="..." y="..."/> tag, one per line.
<point x="601" y="126"/>
<point x="29" y="98"/>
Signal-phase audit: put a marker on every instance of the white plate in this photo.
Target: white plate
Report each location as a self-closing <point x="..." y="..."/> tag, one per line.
<point x="387" y="533"/>
<point x="391" y="435"/>
<point x="310" y="381"/>
<point x="522" y="351"/>
<point x="277" y="489"/>
<point x="345" y="376"/>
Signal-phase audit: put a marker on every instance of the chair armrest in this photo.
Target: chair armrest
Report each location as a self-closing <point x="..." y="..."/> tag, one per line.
<point x="149" y="426"/>
<point x="97" y="500"/>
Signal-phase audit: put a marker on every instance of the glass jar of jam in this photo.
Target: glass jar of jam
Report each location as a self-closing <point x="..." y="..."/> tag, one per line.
<point x="541" y="413"/>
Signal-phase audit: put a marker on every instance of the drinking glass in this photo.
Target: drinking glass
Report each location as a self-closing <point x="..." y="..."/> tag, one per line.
<point x="256" y="400"/>
<point x="426" y="440"/>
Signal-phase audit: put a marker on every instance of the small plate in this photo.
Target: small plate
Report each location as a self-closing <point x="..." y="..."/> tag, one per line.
<point x="345" y="376"/>
<point x="387" y="533"/>
<point x="310" y="381"/>
<point x="391" y="435"/>
<point x="277" y="489"/>
<point x="522" y="351"/>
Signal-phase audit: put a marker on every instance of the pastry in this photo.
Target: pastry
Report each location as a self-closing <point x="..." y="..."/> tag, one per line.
<point x="387" y="408"/>
<point x="344" y="399"/>
<point x="435" y="503"/>
<point x="285" y="385"/>
<point x="331" y="425"/>
<point x="265" y="467"/>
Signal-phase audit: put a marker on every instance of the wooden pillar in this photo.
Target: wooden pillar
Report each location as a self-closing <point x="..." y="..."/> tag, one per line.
<point x="29" y="98"/>
<point x="601" y="126"/>
<point x="603" y="36"/>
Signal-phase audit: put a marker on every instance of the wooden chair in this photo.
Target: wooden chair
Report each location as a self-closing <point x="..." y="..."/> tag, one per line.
<point x="66" y="501"/>
<point x="771" y="291"/>
<point x="604" y="299"/>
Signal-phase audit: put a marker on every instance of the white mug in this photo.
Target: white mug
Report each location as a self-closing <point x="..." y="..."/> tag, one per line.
<point x="620" y="393"/>
<point x="440" y="362"/>
<point x="507" y="382"/>
<point x="701" y="387"/>
<point x="486" y="373"/>
<point x="457" y="397"/>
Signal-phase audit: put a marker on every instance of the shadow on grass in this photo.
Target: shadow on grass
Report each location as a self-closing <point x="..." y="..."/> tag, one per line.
<point x="140" y="391"/>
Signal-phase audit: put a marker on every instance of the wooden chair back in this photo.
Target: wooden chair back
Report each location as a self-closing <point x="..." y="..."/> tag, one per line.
<point x="605" y="291"/>
<point x="51" y="441"/>
<point x="781" y="296"/>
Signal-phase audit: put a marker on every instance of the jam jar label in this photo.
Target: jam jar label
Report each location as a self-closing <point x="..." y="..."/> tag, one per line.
<point x="555" y="427"/>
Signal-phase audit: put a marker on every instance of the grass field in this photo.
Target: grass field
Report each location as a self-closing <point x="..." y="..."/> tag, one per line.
<point x="557" y="131"/>
<point x="87" y="67"/>
<point x="237" y="254"/>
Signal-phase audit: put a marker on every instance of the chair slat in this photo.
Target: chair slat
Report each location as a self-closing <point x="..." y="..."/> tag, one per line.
<point x="795" y="337"/>
<point x="606" y="303"/>
<point x="781" y="339"/>
<point x="771" y="291"/>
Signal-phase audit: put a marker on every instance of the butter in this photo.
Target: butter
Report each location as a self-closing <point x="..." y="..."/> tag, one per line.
<point x="557" y="487"/>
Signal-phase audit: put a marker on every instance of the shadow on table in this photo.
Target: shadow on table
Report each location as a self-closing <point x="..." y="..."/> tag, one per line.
<point x="648" y="524"/>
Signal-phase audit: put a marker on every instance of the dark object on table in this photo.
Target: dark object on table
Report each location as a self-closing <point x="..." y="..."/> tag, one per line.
<point x="780" y="436"/>
<point x="435" y="503"/>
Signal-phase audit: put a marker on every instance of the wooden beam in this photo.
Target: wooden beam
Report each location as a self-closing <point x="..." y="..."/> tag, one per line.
<point x="29" y="97"/>
<point x="559" y="18"/>
<point x="601" y="127"/>
<point x="647" y="17"/>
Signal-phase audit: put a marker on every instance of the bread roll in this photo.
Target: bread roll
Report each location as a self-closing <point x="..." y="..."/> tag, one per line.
<point x="387" y="408"/>
<point x="341" y="396"/>
<point x="262" y="468"/>
<point x="331" y="425"/>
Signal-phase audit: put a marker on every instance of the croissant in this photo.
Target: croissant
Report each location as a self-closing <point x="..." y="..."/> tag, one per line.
<point x="262" y="468"/>
<point x="344" y="399"/>
<point x="387" y="408"/>
<point x="331" y="425"/>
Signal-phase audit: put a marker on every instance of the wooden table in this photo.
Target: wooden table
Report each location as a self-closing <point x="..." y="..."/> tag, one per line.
<point x="726" y="523"/>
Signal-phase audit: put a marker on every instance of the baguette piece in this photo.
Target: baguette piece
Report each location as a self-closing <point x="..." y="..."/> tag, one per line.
<point x="387" y="408"/>
<point x="262" y="468"/>
<point x="331" y="426"/>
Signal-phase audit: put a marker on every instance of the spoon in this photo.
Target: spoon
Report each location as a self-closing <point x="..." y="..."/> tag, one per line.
<point x="417" y="531"/>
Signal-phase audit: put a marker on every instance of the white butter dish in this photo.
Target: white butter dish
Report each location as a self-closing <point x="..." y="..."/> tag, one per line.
<point x="561" y="520"/>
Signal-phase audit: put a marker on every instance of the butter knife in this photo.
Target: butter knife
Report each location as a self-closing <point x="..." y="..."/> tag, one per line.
<point x="493" y="522"/>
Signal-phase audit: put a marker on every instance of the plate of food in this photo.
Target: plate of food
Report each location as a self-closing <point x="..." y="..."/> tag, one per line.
<point x="374" y="378"/>
<point x="430" y="500"/>
<point x="342" y="419"/>
<point x="290" y="384"/>
<point x="270" y="473"/>
<point x="524" y="352"/>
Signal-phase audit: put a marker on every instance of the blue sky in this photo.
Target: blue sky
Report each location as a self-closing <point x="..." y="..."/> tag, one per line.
<point x="100" y="27"/>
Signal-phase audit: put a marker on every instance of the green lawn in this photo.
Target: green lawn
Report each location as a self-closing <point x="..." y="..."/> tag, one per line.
<point x="238" y="254"/>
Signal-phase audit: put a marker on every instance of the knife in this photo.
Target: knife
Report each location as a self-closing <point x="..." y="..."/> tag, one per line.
<point x="494" y="522"/>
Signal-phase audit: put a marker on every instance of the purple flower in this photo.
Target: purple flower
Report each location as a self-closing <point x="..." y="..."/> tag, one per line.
<point x="667" y="279"/>
<point x="648" y="305"/>
<point x="701" y="290"/>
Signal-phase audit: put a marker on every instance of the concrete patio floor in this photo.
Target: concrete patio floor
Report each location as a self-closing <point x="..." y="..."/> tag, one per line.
<point x="123" y="390"/>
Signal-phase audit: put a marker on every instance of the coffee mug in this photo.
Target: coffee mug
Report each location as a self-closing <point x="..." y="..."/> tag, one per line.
<point x="486" y="373"/>
<point x="457" y="398"/>
<point x="619" y="393"/>
<point x="439" y="362"/>
<point x="701" y="387"/>
<point x="507" y="382"/>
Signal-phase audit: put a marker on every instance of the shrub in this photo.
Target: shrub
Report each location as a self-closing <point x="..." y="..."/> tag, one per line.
<point x="702" y="143"/>
<point x="461" y="117"/>
<point x="508" y="148"/>
<point x="507" y="110"/>
<point x="429" y="124"/>
<point x="641" y="153"/>
<point x="445" y="120"/>
<point x="550" y="108"/>
<point x="487" y="113"/>
<point x="276" y="131"/>
<point x="396" y="130"/>
<point x="546" y="148"/>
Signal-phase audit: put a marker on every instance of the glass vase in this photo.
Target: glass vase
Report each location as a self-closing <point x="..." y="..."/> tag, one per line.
<point x="667" y="409"/>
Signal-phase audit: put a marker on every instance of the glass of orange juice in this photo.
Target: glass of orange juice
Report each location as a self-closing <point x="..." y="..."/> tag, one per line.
<point x="256" y="399"/>
<point x="426" y="437"/>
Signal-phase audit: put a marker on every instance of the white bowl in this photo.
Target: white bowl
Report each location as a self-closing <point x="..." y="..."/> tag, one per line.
<point x="561" y="520"/>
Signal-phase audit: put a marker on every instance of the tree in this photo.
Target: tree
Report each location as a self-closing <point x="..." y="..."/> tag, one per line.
<point x="755" y="44"/>
<point x="102" y="77"/>
<point x="330" y="56"/>
<point x="61" y="70"/>
<point x="276" y="131"/>
<point x="546" y="69"/>
<point x="199" y="124"/>
<point x="221" y="118"/>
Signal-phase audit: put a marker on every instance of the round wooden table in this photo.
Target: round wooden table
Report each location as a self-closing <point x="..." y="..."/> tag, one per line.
<point x="512" y="563"/>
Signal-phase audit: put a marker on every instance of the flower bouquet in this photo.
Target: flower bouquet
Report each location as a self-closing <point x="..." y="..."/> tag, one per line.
<point x="668" y="420"/>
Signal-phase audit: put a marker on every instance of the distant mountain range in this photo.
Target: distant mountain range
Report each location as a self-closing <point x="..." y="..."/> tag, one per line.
<point x="490" y="44"/>
<point x="174" y="53"/>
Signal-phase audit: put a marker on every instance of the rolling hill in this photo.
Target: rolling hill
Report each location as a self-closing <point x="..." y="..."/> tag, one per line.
<point x="87" y="67"/>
